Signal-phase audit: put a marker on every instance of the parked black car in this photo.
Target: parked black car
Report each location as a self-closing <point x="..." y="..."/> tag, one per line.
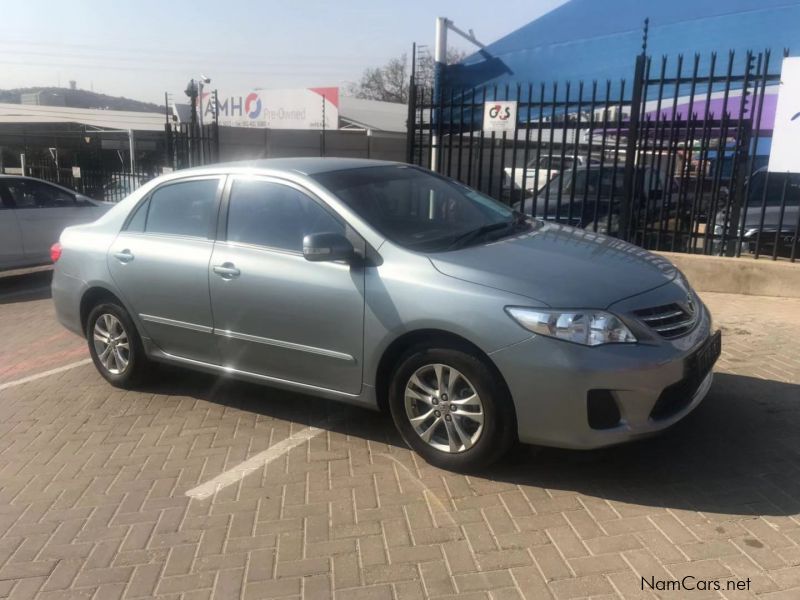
<point x="772" y="207"/>
<point x="591" y="197"/>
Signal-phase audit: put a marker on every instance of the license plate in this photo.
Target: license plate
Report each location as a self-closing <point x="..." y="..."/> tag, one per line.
<point x="703" y="360"/>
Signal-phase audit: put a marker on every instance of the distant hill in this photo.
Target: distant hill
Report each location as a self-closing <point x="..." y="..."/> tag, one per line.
<point x="83" y="99"/>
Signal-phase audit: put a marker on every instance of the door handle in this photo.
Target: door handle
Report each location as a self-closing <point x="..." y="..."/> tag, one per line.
<point x="124" y="257"/>
<point x="227" y="270"/>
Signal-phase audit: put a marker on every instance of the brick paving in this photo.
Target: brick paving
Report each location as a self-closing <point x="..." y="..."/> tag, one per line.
<point x="93" y="482"/>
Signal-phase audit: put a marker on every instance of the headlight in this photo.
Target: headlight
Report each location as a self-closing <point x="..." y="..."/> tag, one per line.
<point x="587" y="327"/>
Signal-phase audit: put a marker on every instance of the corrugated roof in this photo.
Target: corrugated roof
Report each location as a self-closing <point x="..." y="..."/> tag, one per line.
<point x="102" y="119"/>
<point x="373" y="114"/>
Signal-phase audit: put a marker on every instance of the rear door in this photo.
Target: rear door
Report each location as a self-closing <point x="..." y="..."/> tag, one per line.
<point x="160" y="264"/>
<point x="11" y="253"/>
<point x="43" y="211"/>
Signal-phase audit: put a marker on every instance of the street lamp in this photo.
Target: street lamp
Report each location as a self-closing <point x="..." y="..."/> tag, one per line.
<point x="191" y="92"/>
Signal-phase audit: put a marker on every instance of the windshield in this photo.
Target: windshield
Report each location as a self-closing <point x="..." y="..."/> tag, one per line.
<point x="414" y="208"/>
<point x="610" y="181"/>
<point x="774" y="195"/>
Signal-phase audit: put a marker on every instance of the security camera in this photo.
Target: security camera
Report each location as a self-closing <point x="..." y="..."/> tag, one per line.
<point x="205" y="79"/>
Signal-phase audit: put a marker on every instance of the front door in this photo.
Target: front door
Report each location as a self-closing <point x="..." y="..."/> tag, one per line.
<point x="275" y="313"/>
<point x="160" y="264"/>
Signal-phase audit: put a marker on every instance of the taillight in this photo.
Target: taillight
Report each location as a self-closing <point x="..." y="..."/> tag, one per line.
<point x="55" y="252"/>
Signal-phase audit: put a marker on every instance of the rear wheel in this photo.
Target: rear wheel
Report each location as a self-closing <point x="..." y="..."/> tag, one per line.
<point x="451" y="408"/>
<point x="115" y="346"/>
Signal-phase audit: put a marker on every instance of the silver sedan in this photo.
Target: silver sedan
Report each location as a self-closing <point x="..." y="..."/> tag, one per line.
<point x="33" y="213"/>
<point x="390" y="287"/>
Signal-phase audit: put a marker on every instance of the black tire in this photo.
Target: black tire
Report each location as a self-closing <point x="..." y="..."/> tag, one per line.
<point x="137" y="366"/>
<point x="499" y="423"/>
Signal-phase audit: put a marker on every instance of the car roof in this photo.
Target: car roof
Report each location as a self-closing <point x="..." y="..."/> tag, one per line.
<point x="29" y="178"/>
<point x="300" y="165"/>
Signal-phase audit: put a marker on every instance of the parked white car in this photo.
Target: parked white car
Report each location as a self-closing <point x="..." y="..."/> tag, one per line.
<point x="33" y="213"/>
<point x="548" y="167"/>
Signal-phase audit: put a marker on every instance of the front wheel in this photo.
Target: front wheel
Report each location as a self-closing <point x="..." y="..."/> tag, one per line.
<point x="115" y="346"/>
<point x="451" y="408"/>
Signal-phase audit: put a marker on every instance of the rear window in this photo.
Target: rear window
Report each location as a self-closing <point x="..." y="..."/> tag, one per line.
<point x="184" y="208"/>
<point x="775" y="183"/>
<point x="28" y="193"/>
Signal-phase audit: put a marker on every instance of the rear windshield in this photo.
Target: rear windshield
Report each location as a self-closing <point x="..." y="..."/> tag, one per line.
<point x="775" y="183"/>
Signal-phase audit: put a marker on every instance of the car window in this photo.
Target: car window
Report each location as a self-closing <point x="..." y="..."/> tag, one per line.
<point x="775" y="183"/>
<point x="27" y="193"/>
<point x="414" y="208"/>
<point x="137" y="221"/>
<point x="270" y="214"/>
<point x="608" y="183"/>
<point x="6" y="201"/>
<point x="183" y="208"/>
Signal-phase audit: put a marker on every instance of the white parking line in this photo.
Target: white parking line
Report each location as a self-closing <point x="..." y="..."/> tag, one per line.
<point x="16" y="382"/>
<point x="239" y="472"/>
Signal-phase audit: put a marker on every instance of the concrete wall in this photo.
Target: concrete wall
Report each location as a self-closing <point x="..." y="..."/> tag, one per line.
<point x="762" y="277"/>
<point x="241" y="143"/>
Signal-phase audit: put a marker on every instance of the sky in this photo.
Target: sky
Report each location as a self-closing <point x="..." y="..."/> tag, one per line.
<point x="142" y="49"/>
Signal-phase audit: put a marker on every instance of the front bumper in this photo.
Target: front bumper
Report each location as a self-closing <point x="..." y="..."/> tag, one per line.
<point x="550" y="381"/>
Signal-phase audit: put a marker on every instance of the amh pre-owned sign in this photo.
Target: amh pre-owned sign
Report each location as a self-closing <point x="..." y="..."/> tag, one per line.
<point x="277" y="109"/>
<point x="500" y="115"/>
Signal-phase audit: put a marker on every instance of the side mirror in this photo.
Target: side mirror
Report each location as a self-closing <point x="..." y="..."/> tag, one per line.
<point x="318" y="247"/>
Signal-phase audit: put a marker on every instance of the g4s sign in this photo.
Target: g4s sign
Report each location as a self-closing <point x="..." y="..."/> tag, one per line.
<point x="499" y="112"/>
<point x="499" y="116"/>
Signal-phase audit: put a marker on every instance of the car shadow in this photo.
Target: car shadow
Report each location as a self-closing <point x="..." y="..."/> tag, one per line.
<point x="25" y="287"/>
<point x="737" y="454"/>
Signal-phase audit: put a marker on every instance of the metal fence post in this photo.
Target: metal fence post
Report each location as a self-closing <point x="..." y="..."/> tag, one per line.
<point x="411" y="124"/>
<point x="741" y="151"/>
<point x="628" y="185"/>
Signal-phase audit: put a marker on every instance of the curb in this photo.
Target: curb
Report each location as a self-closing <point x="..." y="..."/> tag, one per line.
<point x="763" y="277"/>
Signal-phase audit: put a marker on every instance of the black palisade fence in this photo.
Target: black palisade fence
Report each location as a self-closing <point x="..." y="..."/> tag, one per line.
<point x="673" y="159"/>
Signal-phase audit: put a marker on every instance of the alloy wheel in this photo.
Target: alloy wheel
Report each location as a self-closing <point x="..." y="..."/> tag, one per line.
<point x="444" y="408"/>
<point x="111" y="344"/>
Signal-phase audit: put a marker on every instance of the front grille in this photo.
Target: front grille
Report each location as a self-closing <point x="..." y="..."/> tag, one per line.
<point x="678" y="396"/>
<point x="669" y="321"/>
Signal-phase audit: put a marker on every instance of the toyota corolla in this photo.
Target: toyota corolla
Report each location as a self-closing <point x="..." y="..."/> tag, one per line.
<point x="390" y="287"/>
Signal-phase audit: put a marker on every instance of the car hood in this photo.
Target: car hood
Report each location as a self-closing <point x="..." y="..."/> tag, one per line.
<point x="559" y="266"/>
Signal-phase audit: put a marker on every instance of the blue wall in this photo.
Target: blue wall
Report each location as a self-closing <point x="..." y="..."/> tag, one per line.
<point x="599" y="39"/>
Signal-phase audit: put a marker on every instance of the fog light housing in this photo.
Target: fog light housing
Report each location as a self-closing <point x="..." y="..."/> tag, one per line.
<point x="602" y="409"/>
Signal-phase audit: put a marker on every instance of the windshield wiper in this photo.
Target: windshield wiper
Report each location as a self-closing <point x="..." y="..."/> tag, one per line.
<point x="469" y="236"/>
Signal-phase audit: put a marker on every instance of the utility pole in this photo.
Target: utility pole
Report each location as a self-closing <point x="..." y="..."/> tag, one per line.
<point x="439" y="64"/>
<point x="322" y="138"/>
<point x="191" y="92"/>
<point x="132" y="150"/>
